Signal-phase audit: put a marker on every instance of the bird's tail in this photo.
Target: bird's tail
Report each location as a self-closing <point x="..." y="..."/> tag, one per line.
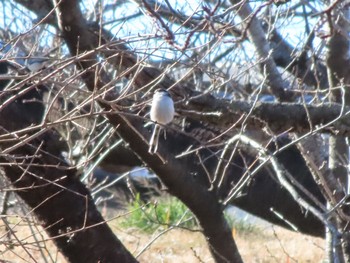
<point x="153" y="143"/>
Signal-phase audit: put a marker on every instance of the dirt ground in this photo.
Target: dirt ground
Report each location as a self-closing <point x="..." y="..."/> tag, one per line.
<point x="272" y="244"/>
<point x="263" y="244"/>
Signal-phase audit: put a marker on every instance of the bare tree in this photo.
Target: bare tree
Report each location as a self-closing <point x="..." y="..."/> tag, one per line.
<point x="262" y="118"/>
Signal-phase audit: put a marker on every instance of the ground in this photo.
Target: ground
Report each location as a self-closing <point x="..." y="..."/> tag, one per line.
<point x="263" y="243"/>
<point x="268" y="244"/>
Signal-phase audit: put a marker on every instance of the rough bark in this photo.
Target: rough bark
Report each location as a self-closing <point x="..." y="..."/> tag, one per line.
<point x="265" y="186"/>
<point x="338" y="75"/>
<point x="297" y="62"/>
<point x="67" y="212"/>
<point x="257" y="36"/>
<point x="51" y="188"/>
<point x="330" y="118"/>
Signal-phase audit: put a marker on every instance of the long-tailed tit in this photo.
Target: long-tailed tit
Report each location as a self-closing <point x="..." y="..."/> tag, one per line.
<point x="36" y="64"/>
<point x="162" y="113"/>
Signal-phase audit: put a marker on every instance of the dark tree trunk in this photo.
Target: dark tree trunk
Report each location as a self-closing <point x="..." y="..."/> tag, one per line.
<point x="186" y="183"/>
<point x="67" y="213"/>
<point x="50" y="187"/>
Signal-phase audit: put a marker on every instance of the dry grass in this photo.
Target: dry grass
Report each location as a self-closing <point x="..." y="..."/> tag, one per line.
<point x="275" y="244"/>
<point x="272" y="244"/>
<point x="27" y="243"/>
<point x="267" y="244"/>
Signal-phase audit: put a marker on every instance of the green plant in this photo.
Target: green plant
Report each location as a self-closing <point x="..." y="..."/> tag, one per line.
<point x="164" y="213"/>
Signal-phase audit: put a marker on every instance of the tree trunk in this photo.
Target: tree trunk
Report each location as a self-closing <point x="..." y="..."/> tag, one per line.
<point x="188" y="185"/>
<point x="51" y="188"/>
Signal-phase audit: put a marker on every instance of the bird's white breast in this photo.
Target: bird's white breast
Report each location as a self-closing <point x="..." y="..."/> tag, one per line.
<point x="162" y="109"/>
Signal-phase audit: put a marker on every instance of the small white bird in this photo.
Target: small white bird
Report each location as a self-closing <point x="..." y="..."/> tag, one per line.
<point x="162" y="113"/>
<point x="36" y="64"/>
